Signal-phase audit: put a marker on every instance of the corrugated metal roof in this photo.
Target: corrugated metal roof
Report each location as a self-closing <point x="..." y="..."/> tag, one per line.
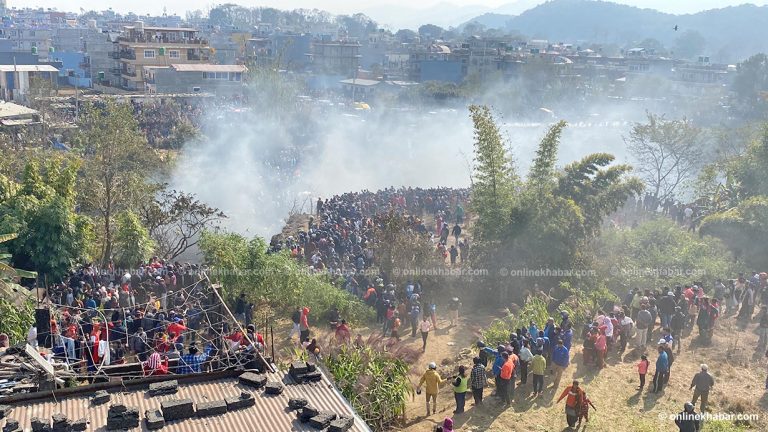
<point x="268" y="415"/>
<point x="10" y="110"/>
<point x="204" y="67"/>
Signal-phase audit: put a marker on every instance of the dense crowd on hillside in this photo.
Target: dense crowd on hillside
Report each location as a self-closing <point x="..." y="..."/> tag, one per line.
<point x="341" y="235"/>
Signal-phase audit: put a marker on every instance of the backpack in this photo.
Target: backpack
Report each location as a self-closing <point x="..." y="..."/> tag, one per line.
<point x="296" y="317"/>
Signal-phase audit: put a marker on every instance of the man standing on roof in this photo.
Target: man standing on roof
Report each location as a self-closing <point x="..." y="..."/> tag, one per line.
<point x="433" y="381"/>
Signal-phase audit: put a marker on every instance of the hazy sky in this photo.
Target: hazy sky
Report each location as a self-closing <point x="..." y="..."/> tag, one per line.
<point x="345" y="6"/>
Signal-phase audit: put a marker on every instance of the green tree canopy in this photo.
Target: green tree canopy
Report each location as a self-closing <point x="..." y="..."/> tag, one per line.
<point x="133" y="245"/>
<point x="546" y="221"/>
<point x="117" y="166"/>
<point x="51" y="236"/>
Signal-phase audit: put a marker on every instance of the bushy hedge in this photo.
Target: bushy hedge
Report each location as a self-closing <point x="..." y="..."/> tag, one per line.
<point x="274" y="279"/>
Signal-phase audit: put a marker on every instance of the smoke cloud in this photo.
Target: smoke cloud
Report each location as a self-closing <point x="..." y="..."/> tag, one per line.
<point x="258" y="170"/>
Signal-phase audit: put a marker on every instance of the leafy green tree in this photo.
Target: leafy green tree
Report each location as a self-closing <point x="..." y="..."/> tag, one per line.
<point x="653" y="46"/>
<point x="751" y="85"/>
<point x="117" y="166"/>
<point x="133" y="244"/>
<point x="397" y="246"/>
<point x="431" y="31"/>
<point x="658" y="253"/>
<point x="494" y="178"/>
<point x="51" y="236"/>
<point x="546" y="221"/>
<point x="735" y="202"/>
<point x="689" y="45"/>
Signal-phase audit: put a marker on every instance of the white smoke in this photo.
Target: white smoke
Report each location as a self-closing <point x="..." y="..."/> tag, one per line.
<point x="357" y="150"/>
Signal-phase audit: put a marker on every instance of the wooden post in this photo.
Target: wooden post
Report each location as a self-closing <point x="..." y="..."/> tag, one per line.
<point x="272" y="337"/>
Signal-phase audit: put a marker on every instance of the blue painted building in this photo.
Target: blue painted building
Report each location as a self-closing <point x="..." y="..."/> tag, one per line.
<point x="440" y="70"/>
<point x="73" y="71"/>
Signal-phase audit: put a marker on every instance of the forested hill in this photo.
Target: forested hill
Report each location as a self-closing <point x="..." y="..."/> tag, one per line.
<point x="727" y="34"/>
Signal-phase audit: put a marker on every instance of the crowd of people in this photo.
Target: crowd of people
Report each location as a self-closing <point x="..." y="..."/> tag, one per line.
<point x="635" y="209"/>
<point x="341" y="241"/>
<point x="165" y="316"/>
<point x="659" y="318"/>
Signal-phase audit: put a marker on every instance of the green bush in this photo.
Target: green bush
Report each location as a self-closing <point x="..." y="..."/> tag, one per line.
<point x="659" y="253"/>
<point x="15" y="321"/>
<point x="374" y="381"/>
<point x="274" y="279"/>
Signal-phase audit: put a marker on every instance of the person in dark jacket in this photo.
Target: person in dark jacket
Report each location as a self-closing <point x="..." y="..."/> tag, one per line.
<point x="677" y="323"/>
<point x="688" y="420"/>
<point x="701" y="384"/>
<point x="666" y="307"/>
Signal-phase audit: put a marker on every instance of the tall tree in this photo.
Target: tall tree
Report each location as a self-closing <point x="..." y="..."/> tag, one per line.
<point x="736" y="202"/>
<point x="546" y="221"/>
<point x="431" y="31"/>
<point x="494" y="177"/>
<point x="689" y="45"/>
<point x="669" y="153"/>
<point x="118" y="165"/>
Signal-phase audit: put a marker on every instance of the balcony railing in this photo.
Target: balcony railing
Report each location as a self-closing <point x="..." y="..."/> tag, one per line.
<point x="114" y="55"/>
<point x="128" y="73"/>
<point x="161" y="40"/>
<point x="127" y="55"/>
<point x="197" y="57"/>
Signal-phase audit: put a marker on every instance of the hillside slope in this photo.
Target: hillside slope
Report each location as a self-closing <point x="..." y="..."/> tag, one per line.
<point x="739" y="374"/>
<point x="584" y="21"/>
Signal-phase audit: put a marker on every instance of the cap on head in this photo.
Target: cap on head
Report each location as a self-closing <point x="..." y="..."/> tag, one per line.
<point x="432" y="365"/>
<point x="662" y="341"/>
<point x="704" y="367"/>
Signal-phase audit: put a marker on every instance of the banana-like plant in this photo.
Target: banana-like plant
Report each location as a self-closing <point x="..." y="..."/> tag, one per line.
<point x="16" y="314"/>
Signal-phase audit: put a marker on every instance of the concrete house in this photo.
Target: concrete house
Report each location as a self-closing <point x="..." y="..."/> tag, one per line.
<point x="219" y="80"/>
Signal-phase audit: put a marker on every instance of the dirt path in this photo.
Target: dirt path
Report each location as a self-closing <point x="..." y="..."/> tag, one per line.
<point x="739" y="377"/>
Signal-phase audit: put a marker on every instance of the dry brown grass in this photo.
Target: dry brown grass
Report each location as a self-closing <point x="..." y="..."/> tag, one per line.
<point x="620" y="407"/>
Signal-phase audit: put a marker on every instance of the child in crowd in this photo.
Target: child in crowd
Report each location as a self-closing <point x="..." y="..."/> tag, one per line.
<point x="584" y="413"/>
<point x="642" y="369"/>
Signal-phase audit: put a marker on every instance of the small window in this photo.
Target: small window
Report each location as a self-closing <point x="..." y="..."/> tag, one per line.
<point x="149" y="53"/>
<point x="205" y="75"/>
<point x="174" y="54"/>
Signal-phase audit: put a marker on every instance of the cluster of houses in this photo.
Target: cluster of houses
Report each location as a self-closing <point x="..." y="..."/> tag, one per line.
<point x="167" y="55"/>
